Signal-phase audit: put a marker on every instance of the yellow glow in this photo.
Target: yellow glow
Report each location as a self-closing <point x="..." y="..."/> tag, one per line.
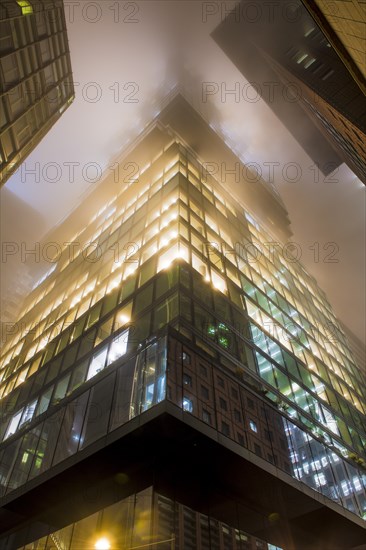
<point x="90" y="288"/>
<point x="129" y="271"/>
<point x="102" y="544"/>
<point x="42" y="343"/>
<point x="26" y="7"/>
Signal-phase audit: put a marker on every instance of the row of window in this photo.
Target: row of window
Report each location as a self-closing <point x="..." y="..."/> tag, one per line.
<point x="94" y="268"/>
<point x="173" y="522"/>
<point x="34" y="58"/>
<point x="72" y="330"/>
<point x="218" y="281"/>
<point x="54" y="393"/>
<point x="224" y="339"/>
<point x="30" y="461"/>
<point x="311" y="461"/>
<point x="296" y="393"/>
<point x="317" y="308"/>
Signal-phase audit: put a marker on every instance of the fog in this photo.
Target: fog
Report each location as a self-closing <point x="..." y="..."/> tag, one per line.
<point x="124" y="65"/>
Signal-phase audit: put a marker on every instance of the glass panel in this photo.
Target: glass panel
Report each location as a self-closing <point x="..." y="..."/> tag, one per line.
<point x="97" y="363"/>
<point x="68" y="441"/>
<point x="14" y="423"/>
<point x="47" y="443"/>
<point x="61" y="389"/>
<point x="122" y="401"/>
<point x="44" y="401"/>
<point x="97" y="416"/>
<point x="6" y="463"/>
<point x="165" y="312"/>
<point x="78" y="376"/>
<point x="23" y="462"/>
<point x="118" y="347"/>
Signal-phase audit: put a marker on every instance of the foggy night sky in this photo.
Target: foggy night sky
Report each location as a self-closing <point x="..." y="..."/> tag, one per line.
<point x="170" y="43"/>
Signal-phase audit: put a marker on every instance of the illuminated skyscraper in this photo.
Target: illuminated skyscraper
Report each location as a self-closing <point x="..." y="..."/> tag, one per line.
<point x="177" y="379"/>
<point x="36" y="76"/>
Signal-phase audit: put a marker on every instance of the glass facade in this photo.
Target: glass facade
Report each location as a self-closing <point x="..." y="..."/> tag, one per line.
<point x="150" y="520"/>
<point x="36" y="76"/>
<point x="175" y="293"/>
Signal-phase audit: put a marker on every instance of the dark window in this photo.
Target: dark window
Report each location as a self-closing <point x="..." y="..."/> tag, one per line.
<point x="257" y="449"/>
<point x="70" y="357"/>
<point x="234" y="393"/>
<point x="203" y="370"/>
<point x="204" y="392"/>
<point x="71" y="428"/>
<point x="53" y="369"/>
<point x="241" y="438"/>
<point x="267" y="435"/>
<point x="97" y="415"/>
<point x="250" y="403"/>
<point x="225" y="428"/>
<point x="237" y="415"/>
<point x="220" y="382"/>
<point x="223" y="404"/>
<point x="206" y="416"/>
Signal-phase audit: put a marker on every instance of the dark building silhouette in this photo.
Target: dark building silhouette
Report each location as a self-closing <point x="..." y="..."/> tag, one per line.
<point x="174" y="384"/>
<point x="344" y="26"/>
<point x="287" y="56"/>
<point x="36" y="76"/>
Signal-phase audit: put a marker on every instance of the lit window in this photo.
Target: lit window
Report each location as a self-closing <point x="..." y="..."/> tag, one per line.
<point x="309" y="62"/>
<point x="28" y="413"/>
<point x="187" y="404"/>
<point x="301" y="58"/>
<point x="218" y="282"/>
<point x="294" y="457"/>
<point x="44" y="277"/>
<point x="168" y="257"/>
<point x="123" y="316"/>
<point x="114" y="283"/>
<point x="253" y="426"/>
<point x="357" y="483"/>
<point x="320" y="479"/>
<point x="97" y="363"/>
<point x="118" y="347"/>
<point x="14" y="423"/>
<point x="187" y="380"/>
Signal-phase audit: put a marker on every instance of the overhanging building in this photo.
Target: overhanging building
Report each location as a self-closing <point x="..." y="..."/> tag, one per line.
<point x="285" y="53"/>
<point x="36" y="76"/>
<point x="177" y="379"/>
